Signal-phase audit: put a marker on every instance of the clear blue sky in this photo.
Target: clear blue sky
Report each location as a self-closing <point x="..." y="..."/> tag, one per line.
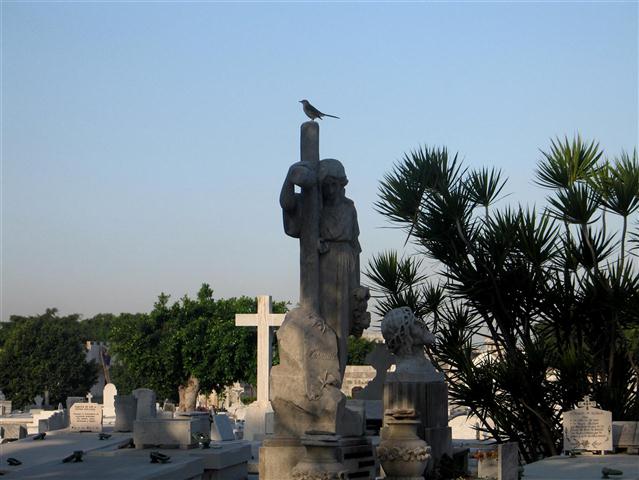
<point x="144" y="144"/>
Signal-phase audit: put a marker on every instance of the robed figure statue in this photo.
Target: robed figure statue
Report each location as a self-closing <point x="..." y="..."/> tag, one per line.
<point x="342" y="300"/>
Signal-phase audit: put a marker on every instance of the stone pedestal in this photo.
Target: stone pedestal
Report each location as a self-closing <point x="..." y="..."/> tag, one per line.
<point x="256" y="420"/>
<point x="125" y="412"/>
<point x="322" y="459"/>
<point x="430" y="400"/>
<point x="278" y="456"/>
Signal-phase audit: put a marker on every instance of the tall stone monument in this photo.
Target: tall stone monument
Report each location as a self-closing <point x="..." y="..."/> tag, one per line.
<point x="415" y="383"/>
<point x="305" y="386"/>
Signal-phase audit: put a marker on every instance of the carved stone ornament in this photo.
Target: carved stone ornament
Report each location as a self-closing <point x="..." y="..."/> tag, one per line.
<point x="404" y="454"/>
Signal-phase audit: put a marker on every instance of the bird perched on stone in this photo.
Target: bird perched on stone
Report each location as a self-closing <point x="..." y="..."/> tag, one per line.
<point x="312" y="112"/>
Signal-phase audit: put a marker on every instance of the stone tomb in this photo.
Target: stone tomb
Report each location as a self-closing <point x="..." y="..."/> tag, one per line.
<point x="587" y="428"/>
<point x="626" y="436"/>
<point x="85" y="417"/>
<point x="505" y="466"/>
<point x="166" y="432"/>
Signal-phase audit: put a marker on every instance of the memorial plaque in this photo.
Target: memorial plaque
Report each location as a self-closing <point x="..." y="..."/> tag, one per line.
<point x="588" y="428"/>
<point x="85" y="417"/>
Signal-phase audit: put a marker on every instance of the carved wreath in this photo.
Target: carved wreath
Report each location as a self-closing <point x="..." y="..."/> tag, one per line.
<point x="404" y="454"/>
<point x="317" y="475"/>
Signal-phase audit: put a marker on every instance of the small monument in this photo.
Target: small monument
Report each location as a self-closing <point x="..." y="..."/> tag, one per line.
<point x="587" y="428"/>
<point x="109" y="393"/>
<point x="85" y="417"/>
<point x="415" y="384"/>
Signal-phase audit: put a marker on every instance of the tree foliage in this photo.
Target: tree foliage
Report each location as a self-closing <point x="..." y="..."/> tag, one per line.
<point x="358" y="348"/>
<point x="44" y="352"/>
<point x="554" y="290"/>
<point x="191" y="337"/>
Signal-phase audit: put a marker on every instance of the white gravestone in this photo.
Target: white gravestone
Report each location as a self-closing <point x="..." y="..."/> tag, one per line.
<point x="38" y="401"/>
<point x="108" y="401"/>
<point x="85" y="417"/>
<point x="587" y="428"/>
<point x="265" y="320"/>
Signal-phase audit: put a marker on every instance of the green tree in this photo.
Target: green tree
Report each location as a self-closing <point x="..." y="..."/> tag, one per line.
<point x="192" y="340"/>
<point x="554" y="291"/>
<point x="358" y="348"/>
<point x="44" y="352"/>
<point x="97" y="328"/>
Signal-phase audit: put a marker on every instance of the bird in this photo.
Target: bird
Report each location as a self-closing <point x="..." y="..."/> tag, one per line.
<point x="312" y="112"/>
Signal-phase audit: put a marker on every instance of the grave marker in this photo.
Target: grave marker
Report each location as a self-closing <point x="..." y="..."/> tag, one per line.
<point x="265" y="320"/>
<point x="85" y="417"/>
<point x="587" y="428"/>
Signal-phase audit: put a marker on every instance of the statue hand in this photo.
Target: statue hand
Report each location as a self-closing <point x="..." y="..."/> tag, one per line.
<point x="300" y="174"/>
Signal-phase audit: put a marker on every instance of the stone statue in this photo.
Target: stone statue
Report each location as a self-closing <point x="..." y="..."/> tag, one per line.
<point x="305" y="386"/>
<point x="406" y="337"/>
<point x="342" y="300"/>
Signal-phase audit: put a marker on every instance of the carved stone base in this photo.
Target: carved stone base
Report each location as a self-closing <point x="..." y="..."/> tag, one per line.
<point x="321" y="461"/>
<point x="430" y="401"/>
<point x="278" y="457"/>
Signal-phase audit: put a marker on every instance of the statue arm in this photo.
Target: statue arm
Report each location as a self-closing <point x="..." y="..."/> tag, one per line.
<point x="301" y="175"/>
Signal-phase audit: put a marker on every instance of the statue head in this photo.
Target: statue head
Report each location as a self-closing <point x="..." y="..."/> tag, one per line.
<point x="404" y="334"/>
<point x="332" y="177"/>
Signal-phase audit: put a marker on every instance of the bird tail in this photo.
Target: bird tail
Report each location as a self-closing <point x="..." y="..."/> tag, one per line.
<point x="332" y="116"/>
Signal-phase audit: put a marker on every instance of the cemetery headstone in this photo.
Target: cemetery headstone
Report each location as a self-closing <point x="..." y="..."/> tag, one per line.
<point x="221" y="428"/>
<point x="71" y="400"/>
<point x="38" y="401"/>
<point x="109" y="393"/>
<point x="85" y="417"/>
<point x="125" y="412"/>
<point x="5" y="405"/>
<point x="381" y="360"/>
<point x="145" y="403"/>
<point x="587" y="428"/>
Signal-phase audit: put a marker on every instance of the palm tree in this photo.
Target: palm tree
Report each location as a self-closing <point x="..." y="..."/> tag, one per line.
<point x="541" y="285"/>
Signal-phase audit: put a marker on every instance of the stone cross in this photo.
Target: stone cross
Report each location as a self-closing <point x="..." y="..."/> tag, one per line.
<point x="89" y="397"/>
<point x="264" y="320"/>
<point x="587" y="403"/>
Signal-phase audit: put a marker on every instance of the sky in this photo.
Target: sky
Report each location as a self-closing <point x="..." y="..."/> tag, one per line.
<point x="144" y="144"/>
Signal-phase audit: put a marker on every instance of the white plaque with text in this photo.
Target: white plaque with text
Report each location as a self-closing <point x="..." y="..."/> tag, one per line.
<point x="588" y="429"/>
<point x="85" y="417"/>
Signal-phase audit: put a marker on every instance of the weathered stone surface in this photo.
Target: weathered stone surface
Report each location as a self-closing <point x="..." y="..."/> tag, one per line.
<point x="71" y="400"/>
<point x="221" y="428"/>
<point x="508" y="461"/>
<point x="381" y="360"/>
<point x="14" y="431"/>
<point x="305" y="385"/>
<point x="278" y="457"/>
<point x="126" y="407"/>
<point x="626" y="436"/>
<point x="165" y="433"/>
<point x="85" y="417"/>
<point x="108" y="399"/>
<point x="203" y="420"/>
<point x="146" y="400"/>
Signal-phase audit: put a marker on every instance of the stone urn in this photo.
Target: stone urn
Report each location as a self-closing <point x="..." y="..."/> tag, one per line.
<point x="402" y="454"/>
<point x="321" y="461"/>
